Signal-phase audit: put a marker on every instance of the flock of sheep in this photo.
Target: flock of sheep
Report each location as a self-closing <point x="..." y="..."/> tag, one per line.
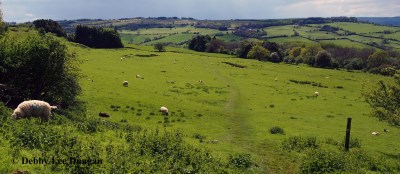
<point x="42" y="109"/>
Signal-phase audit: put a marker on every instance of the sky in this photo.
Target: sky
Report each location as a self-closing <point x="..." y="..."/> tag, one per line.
<point x="29" y="10"/>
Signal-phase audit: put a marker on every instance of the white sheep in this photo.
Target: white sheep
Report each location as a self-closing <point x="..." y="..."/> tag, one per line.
<point x="33" y="108"/>
<point x="138" y="76"/>
<point x="125" y="83"/>
<point x="375" y="133"/>
<point x="316" y="93"/>
<point x="201" y="81"/>
<point x="164" y="110"/>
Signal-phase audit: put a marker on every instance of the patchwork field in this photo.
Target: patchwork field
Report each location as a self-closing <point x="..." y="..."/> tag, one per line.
<point x="363" y="36"/>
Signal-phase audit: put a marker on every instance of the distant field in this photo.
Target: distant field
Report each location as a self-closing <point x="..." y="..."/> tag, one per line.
<point x="309" y="34"/>
<point x="363" y="28"/>
<point x="364" y="39"/>
<point x="346" y="43"/>
<point x="279" y="30"/>
<point x="290" y="39"/>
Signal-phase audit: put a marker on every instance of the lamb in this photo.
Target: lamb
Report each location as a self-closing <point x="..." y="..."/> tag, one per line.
<point x="316" y="93"/>
<point x="125" y="83"/>
<point x="33" y="108"/>
<point x="164" y="110"/>
<point x="201" y="81"/>
<point x="375" y="133"/>
<point x="138" y="76"/>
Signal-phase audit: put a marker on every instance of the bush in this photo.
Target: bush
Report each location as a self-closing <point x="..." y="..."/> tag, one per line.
<point x="385" y="101"/>
<point x="323" y="59"/>
<point x="241" y="161"/>
<point x="258" y="52"/>
<point x="39" y="67"/>
<point x="276" y="130"/>
<point x="322" y="161"/>
<point x="325" y="161"/>
<point x="274" y="57"/>
<point x="159" y="46"/>
<point x="299" y="144"/>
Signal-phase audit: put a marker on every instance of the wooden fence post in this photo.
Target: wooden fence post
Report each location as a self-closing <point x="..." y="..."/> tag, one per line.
<point x="347" y="141"/>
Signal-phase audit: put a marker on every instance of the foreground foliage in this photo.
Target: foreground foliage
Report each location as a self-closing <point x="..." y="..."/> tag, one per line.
<point x="385" y="101"/>
<point x="37" y="67"/>
<point x="131" y="150"/>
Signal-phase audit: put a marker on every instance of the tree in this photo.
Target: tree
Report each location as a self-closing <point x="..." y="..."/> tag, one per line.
<point x="159" y="46"/>
<point x="199" y="42"/>
<point x="98" y="37"/>
<point x="244" y="49"/>
<point x="377" y="59"/>
<point x="215" y="46"/>
<point x="385" y="101"/>
<point x="295" y="52"/>
<point x="274" y="57"/>
<point x="1" y="21"/>
<point x="308" y="53"/>
<point x="323" y="59"/>
<point x="39" y="67"/>
<point x="258" y="52"/>
<point x="50" y="26"/>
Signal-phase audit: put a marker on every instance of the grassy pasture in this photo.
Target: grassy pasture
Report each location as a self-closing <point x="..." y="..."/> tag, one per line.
<point x="346" y="43"/>
<point x="361" y="28"/>
<point x="279" y="30"/>
<point x="234" y="106"/>
<point x="290" y="39"/>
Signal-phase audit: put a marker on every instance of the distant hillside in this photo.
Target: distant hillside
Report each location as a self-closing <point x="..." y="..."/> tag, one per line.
<point x="392" y="21"/>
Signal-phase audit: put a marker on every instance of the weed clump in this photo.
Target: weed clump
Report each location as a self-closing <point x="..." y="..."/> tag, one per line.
<point x="298" y="143"/>
<point x="241" y="161"/>
<point x="276" y="130"/>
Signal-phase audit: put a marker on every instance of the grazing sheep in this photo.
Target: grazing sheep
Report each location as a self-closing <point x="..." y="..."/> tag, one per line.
<point x="33" y="108"/>
<point x="164" y="110"/>
<point x="201" y="81"/>
<point x="103" y="114"/>
<point x="386" y="130"/>
<point x="375" y="133"/>
<point x="214" y="141"/>
<point x="138" y="76"/>
<point x="125" y="83"/>
<point x="316" y="93"/>
<point x="276" y="79"/>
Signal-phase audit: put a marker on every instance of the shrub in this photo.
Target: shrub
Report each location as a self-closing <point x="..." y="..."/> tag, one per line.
<point x="326" y="161"/>
<point x="242" y="161"/>
<point x="322" y="161"/>
<point x="258" y="52"/>
<point x="323" y="59"/>
<point x="276" y="130"/>
<point x="299" y="144"/>
<point x="274" y="57"/>
<point x="385" y="101"/>
<point x="39" y="67"/>
<point x="159" y="46"/>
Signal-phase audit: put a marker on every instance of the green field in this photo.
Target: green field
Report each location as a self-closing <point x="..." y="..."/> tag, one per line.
<point x="346" y="43"/>
<point x="234" y="106"/>
<point x="279" y="30"/>
<point x="308" y="33"/>
<point x="361" y="28"/>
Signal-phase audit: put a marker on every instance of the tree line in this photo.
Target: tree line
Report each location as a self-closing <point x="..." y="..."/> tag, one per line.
<point x="316" y="55"/>
<point x="90" y="36"/>
<point x="97" y="37"/>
